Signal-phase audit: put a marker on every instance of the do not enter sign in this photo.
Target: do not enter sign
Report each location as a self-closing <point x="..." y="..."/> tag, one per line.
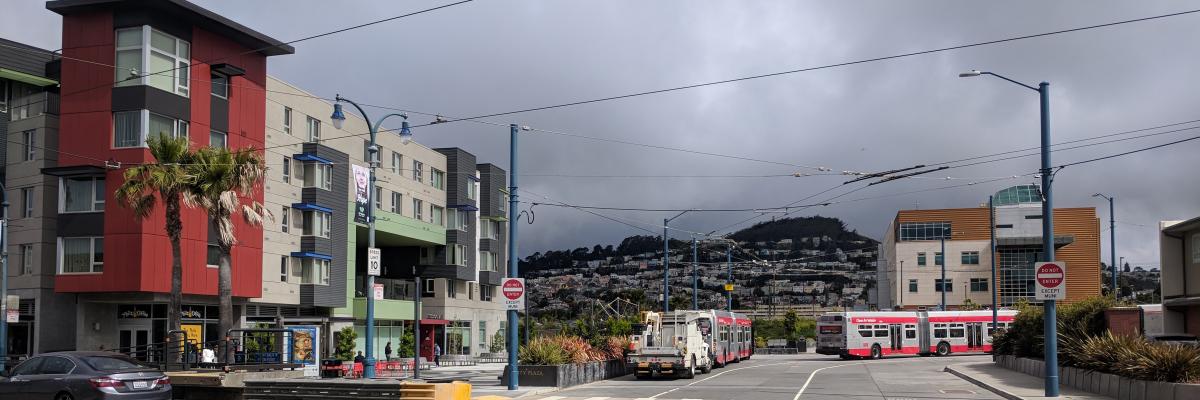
<point x="1051" y="278"/>
<point x="513" y="290"/>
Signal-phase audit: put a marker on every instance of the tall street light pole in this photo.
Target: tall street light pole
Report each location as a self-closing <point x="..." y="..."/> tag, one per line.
<point x="695" y="276"/>
<point x="667" y="261"/>
<point x="944" y="286"/>
<point x="373" y="154"/>
<point x="899" y="281"/>
<point x="729" y="278"/>
<point x="1112" y="241"/>
<point x="513" y="346"/>
<point x="995" y="283"/>
<point x="1050" y="330"/>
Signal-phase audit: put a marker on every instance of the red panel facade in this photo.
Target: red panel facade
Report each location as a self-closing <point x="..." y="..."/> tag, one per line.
<point x="137" y="252"/>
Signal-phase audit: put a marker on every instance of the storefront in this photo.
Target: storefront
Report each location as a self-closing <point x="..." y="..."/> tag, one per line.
<point x="139" y="326"/>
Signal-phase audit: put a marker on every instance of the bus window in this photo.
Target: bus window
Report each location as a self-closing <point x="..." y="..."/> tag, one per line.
<point x="958" y="331"/>
<point x="881" y="331"/>
<point x="910" y="333"/>
<point x="864" y="331"/>
<point x="939" y="331"/>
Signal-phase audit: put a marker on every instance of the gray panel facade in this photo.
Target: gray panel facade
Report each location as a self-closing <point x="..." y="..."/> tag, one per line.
<point x="493" y="185"/>
<point x="333" y="294"/>
<point x="132" y="98"/>
<point x="81" y="224"/>
<point x="461" y="170"/>
<point x="23" y="58"/>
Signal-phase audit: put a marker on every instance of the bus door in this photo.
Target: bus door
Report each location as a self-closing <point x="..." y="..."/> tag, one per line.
<point x="923" y="332"/>
<point x="974" y="334"/>
<point x="897" y="336"/>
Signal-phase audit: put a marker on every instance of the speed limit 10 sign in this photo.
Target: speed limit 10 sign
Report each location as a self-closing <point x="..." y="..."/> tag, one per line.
<point x="374" y="259"/>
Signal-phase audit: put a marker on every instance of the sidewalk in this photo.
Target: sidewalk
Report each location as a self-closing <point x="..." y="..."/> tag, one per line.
<point x="1011" y="384"/>
<point x="485" y="381"/>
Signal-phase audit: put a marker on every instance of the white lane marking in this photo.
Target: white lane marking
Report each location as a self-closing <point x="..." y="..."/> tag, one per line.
<point x="597" y="398"/>
<point x="814" y="373"/>
<point x="553" y="398"/>
<point x="716" y="375"/>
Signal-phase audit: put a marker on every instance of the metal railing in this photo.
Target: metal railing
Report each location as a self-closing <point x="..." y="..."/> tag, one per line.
<point x="251" y="349"/>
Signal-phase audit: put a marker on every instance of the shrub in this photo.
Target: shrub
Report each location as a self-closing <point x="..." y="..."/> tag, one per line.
<point x="617" y="345"/>
<point x="1137" y="358"/>
<point x="344" y="349"/>
<point x="542" y="351"/>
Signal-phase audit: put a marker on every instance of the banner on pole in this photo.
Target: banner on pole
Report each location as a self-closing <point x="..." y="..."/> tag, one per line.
<point x="362" y="180"/>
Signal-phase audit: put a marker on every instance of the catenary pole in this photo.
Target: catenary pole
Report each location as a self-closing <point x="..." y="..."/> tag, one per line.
<point x="729" y="278"/>
<point x="513" y="346"/>
<point x="1050" y="316"/>
<point x="995" y="283"/>
<point x="944" y="287"/>
<point x="695" y="275"/>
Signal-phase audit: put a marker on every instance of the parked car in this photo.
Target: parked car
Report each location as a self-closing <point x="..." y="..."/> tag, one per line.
<point x="84" y="375"/>
<point x="1175" y="338"/>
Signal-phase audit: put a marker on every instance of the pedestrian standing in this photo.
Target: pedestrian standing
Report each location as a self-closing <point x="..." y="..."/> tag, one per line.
<point x="387" y="351"/>
<point x="437" y="355"/>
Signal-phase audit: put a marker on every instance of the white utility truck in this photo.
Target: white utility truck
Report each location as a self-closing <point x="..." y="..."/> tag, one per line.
<point x="675" y="343"/>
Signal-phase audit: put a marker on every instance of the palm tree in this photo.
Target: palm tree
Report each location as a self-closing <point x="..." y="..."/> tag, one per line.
<point x="221" y="179"/>
<point x="167" y="179"/>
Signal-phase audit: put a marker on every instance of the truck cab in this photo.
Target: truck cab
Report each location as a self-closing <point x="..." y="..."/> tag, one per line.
<point x="673" y="344"/>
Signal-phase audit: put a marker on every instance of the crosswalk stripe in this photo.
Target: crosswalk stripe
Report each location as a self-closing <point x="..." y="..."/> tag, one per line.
<point x="596" y="398"/>
<point x="554" y="398"/>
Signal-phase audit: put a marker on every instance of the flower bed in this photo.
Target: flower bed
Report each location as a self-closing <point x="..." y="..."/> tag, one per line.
<point x="1115" y="386"/>
<point x="562" y="361"/>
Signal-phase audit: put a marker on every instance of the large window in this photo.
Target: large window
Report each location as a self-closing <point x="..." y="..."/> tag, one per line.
<point x="924" y="230"/>
<point x="81" y="195"/>
<point x="486" y="292"/>
<point x="458" y="254"/>
<point x="472" y="188"/>
<point x="30" y="145"/>
<point x="437" y="178"/>
<point x="317" y="223"/>
<point x="437" y="215"/>
<point x="318" y="175"/>
<point x="487" y="230"/>
<point x="146" y="56"/>
<point x="314" y="271"/>
<point x="214" y="256"/>
<point x="132" y="128"/>
<point x="979" y="284"/>
<point x="285" y="219"/>
<point x="418" y="209"/>
<point x="283" y="268"/>
<point x="938" y="285"/>
<point x="218" y="139"/>
<point x="970" y="258"/>
<point x="418" y="169"/>
<point x="457" y="219"/>
<point x="81" y="255"/>
<point x="487" y="261"/>
<point x="314" y="129"/>
<point x="220" y="86"/>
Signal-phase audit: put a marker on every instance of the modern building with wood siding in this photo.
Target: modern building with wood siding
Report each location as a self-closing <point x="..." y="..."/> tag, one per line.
<point x="910" y="273"/>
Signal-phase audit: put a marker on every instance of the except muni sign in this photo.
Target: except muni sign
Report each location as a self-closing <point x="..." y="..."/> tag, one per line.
<point x="513" y="290"/>
<point x="1051" y="278"/>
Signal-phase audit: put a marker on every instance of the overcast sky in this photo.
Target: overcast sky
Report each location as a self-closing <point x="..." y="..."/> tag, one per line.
<point x="492" y="56"/>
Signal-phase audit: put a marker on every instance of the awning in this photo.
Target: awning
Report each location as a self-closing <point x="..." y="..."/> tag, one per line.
<point x="227" y="69"/>
<point x="1183" y="227"/>
<point x="308" y="254"/>
<point x="75" y="170"/>
<point x="435" y="322"/>
<point x="311" y="207"/>
<point x="310" y="157"/>
<point x="464" y="207"/>
<point x="26" y="78"/>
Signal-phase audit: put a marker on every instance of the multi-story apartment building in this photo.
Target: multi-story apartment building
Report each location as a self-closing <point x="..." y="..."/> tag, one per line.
<point x="29" y="119"/>
<point x="910" y="273"/>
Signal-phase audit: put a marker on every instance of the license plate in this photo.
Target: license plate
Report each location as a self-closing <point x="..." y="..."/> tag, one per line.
<point x="139" y="384"/>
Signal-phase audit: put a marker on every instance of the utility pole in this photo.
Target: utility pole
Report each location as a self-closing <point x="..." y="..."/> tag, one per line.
<point x="4" y="276"/>
<point x="513" y="346"/>
<point x="695" y="275"/>
<point x="943" y="286"/>
<point x="729" y="278"/>
<point x="1112" y="244"/>
<point x="667" y="262"/>
<point x="901" y="281"/>
<point x="995" y="282"/>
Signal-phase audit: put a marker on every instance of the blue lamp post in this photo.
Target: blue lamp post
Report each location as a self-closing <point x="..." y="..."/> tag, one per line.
<point x="1049" y="326"/>
<point x="339" y="119"/>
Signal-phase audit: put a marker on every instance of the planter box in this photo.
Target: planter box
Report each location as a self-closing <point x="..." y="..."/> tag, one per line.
<point x="1104" y="384"/>
<point x="566" y="375"/>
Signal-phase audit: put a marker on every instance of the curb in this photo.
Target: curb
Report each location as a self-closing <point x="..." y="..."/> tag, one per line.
<point x="998" y="391"/>
<point x="538" y="392"/>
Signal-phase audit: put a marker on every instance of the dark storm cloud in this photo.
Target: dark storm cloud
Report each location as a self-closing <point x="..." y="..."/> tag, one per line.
<point x="492" y="56"/>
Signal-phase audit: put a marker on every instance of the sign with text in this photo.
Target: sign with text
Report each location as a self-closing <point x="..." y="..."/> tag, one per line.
<point x="377" y="291"/>
<point x="1051" y="280"/>
<point x="12" y="316"/>
<point x="728" y="287"/>
<point x="373" y="261"/>
<point x="361" y="176"/>
<point x="513" y="290"/>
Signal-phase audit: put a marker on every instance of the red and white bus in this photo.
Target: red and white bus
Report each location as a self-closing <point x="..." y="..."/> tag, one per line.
<point x="877" y="334"/>
<point x="734" y="340"/>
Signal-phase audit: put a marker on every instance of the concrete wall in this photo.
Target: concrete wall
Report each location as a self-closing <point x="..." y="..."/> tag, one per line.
<point x="91" y="314"/>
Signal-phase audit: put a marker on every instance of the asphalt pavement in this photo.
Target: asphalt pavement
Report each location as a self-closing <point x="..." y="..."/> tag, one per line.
<point x="793" y="377"/>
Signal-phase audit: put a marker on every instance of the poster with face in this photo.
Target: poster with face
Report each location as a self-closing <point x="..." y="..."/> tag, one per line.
<point x="305" y="346"/>
<point x="361" y="182"/>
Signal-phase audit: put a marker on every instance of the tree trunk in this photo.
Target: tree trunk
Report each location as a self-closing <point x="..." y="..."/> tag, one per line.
<point x="174" y="231"/>
<point x="225" y="301"/>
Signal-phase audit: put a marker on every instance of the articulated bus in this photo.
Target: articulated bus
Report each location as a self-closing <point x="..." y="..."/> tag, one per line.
<point x="877" y="334"/>
<point x="735" y="341"/>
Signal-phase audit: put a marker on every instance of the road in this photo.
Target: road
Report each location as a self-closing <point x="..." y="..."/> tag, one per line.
<point x="806" y="376"/>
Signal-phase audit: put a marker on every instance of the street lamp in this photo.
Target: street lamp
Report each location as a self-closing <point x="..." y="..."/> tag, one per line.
<point x="1050" y="330"/>
<point x="1112" y="241"/>
<point x="339" y="119"/>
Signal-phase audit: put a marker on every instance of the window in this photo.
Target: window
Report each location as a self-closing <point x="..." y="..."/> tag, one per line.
<point x="132" y="128"/>
<point x="970" y="258"/>
<point x="1033" y="217"/>
<point x="910" y="333"/>
<point x="418" y="209"/>
<point x="396" y="199"/>
<point x="316" y="223"/>
<point x="314" y="271"/>
<point x="218" y="139"/>
<point x="937" y="258"/>
<point x="81" y="195"/>
<point x="487" y="230"/>
<point x="378" y="198"/>
<point x="283" y="268"/>
<point x="287" y="120"/>
<point x="220" y="86"/>
<point x="924" y="230"/>
<point x="30" y="148"/>
<point x="458" y="254"/>
<point x="146" y="56"/>
<point x="958" y="331"/>
<point x="451" y="288"/>
<point x="56" y="366"/>
<point x="503" y="206"/>
<point x="417" y="169"/>
<point x="938" y="285"/>
<point x="939" y="331"/>
<point x="881" y="331"/>
<point x="496" y="228"/>
<point x="437" y="215"/>
<point x="318" y="174"/>
<point x="213" y="259"/>
<point x="314" y="129"/>
<point x="1004" y="226"/>
<point x="486" y="292"/>
<point x="396" y="159"/>
<point x="864" y="331"/>
<point x="81" y="255"/>
<point x="27" y="202"/>
<point x="921" y="259"/>
<point x="285" y="219"/>
<point x="287" y="169"/>
<point x="457" y="219"/>
<point x="427" y="289"/>
<point x="472" y="188"/>
<point x="437" y="179"/>
<point x="26" y="259"/>
<point x="912" y="285"/>
<point x="979" y="284"/>
<point x="487" y="261"/>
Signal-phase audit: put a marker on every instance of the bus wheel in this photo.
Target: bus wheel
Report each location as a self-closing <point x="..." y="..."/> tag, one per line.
<point x="943" y="349"/>
<point x="876" y="352"/>
<point x="690" y="373"/>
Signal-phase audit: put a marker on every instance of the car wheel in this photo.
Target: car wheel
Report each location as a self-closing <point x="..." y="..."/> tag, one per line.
<point x="943" y="349"/>
<point x="876" y="352"/>
<point x="690" y="373"/>
<point x="64" y="396"/>
<point x="706" y="368"/>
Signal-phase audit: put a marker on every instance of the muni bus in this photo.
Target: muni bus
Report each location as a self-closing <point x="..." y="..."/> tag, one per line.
<point x="881" y="333"/>
<point x="735" y="339"/>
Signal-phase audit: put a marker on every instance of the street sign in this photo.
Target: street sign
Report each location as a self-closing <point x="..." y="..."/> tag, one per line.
<point x="513" y="290"/>
<point x="1051" y="279"/>
<point x="373" y="261"/>
<point x="728" y="287"/>
<point x="12" y="316"/>
<point x="12" y="307"/>
<point x="378" y="291"/>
